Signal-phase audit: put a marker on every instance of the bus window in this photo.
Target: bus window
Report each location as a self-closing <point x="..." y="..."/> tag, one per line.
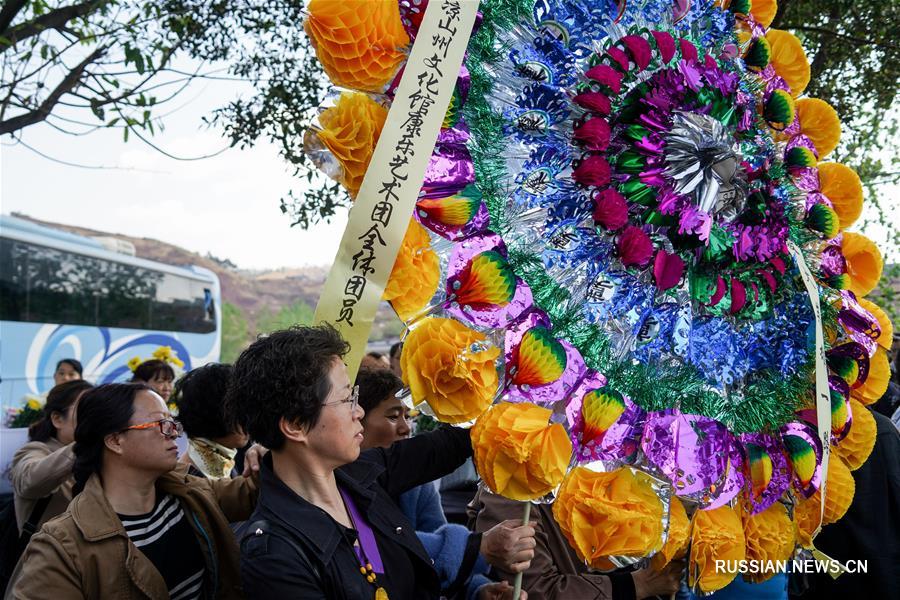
<point x="46" y="285"/>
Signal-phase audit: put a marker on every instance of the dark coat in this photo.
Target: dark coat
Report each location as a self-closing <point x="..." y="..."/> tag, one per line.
<point x="271" y="566"/>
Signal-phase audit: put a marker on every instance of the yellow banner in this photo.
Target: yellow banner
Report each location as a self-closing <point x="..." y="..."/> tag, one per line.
<point x="823" y="395"/>
<point x="387" y="197"/>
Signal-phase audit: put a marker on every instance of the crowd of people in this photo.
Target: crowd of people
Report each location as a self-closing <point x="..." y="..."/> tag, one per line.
<point x="297" y="483"/>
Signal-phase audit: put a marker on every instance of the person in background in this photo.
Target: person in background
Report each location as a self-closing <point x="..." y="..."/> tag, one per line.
<point x="327" y="524"/>
<point x="556" y="573"/>
<point x="42" y="468"/>
<point x="374" y="360"/>
<point x="157" y="374"/>
<point x="138" y="526"/>
<point x="394" y="355"/>
<point x="212" y="442"/>
<point x="68" y="369"/>
<point x="460" y="557"/>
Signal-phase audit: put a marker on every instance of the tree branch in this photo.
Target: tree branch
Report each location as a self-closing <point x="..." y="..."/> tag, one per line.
<point x="849" y="38"/>
<point x="52" y="20"/>
<point x="9" y="11"/>
<point x="66" y="85"/>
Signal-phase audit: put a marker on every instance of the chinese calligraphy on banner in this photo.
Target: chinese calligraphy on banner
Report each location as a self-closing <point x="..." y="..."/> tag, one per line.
<point x="385" y="202"/>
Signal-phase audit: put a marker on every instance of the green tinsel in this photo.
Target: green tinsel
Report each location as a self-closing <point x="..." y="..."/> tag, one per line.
<point x="765" y="403"/>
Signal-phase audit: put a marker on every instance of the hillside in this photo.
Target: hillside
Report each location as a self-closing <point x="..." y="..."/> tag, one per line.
<point x="263" y="298"/>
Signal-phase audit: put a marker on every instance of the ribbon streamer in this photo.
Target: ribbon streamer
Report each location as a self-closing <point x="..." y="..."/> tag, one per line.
<point x="390" y="188"/>
<point x="823" y="395"/>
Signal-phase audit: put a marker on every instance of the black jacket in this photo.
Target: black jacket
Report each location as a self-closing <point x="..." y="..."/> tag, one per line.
<point x="304" y="553"/>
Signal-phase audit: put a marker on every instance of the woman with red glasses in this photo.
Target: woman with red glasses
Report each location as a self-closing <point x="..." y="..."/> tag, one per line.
<point x="139" y="525"/>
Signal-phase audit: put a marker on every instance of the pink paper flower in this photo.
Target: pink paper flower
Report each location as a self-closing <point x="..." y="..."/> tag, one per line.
<point x="618" y="55"/>
<point x="607" y="76"/>
<point x="593" y="134"/>
<point x="639" y="48"/>
<point x="635" y="247"/>
<point x="667" y="270"/>
<point x="594" y="102"/>
<point x="666" y="44"/>
<point x="738" y="296"/>
<point x="610" y="209"/>
<point x="688" y="50"/>
<point x="593" y="170"/>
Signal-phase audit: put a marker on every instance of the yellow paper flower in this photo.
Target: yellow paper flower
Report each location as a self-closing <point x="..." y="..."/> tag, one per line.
<point x="842" y="186"/>
<point x="350" y="129"/>
<point x="167" y="355"/>
<point x="864" y="262"/>
<point x="857" y="446"/>
<point x="716" y="534"/>
<point x="416" y="273"/>
<point x="442" y="368"/>
<point x="806" y="518"/>
<point x="789" y="60"/>
<point x="360" y="44"/>
<point x="609" y="514"/>
<point x="134" y="363"/>
<point x="820" y="123"/>
<point x="879" y="377"/>
<point x="764" y="11"/>
<point x="841" y="488"/>
<point x="678" y="536"/>
<point x="518" y="453"/>
<point x="770" y="537"/>
<point x="886" y="339"/>
<point x="33" y="403"/>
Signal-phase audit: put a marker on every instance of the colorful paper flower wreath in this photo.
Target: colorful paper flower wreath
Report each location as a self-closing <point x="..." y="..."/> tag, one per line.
<point x="609" y="267"/>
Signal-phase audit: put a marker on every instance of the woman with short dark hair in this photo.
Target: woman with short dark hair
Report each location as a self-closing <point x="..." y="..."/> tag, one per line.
<point x="212" y="441"/>
<point x="327" y="524"/>
<point x="68" y="369"/>
<point x="42" y="468"/>
<point x="158" y="374"/>
<point x="138" y="526"/>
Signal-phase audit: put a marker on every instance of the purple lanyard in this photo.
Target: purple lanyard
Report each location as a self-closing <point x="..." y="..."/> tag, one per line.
<point x="369" y="552"/>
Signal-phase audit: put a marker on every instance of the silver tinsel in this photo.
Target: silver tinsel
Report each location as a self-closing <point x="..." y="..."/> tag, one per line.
<point x="703" y="159"/>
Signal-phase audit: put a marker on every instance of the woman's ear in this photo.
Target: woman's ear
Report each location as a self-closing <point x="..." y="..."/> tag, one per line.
<point x="58" y="419"/>
<point x="113" y="442"/>
<point x="293" y="431"/>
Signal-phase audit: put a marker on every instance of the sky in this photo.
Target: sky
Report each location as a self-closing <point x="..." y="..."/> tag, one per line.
<point x="227" y="205"/>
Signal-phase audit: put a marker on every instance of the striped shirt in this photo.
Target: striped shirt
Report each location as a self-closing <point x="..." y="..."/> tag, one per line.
<point x="168" y="540"/>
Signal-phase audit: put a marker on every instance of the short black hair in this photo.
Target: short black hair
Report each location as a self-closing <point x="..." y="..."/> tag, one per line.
<point x="283" y="374"/>
<point x="395" y="350"/>
<point x="199" y="396"/>
<point x="72" y="362"/>
<point x="149" y="369"/>
<point x="375" y="385"/>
